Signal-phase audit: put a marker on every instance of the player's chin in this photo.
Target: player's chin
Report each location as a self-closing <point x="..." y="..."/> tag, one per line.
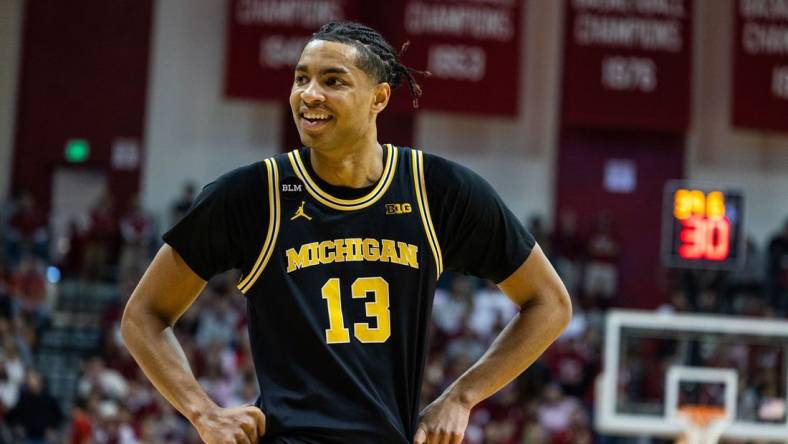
<point x="313" y="140"/>
<point x="315" y="134"/>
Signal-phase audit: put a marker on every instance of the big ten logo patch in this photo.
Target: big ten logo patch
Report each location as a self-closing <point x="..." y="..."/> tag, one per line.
<point x="292" y="188"/>
<point x="398" y="208"/>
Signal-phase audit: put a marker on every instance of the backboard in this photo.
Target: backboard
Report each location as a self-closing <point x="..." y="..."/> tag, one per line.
<point x="656" y="362"/>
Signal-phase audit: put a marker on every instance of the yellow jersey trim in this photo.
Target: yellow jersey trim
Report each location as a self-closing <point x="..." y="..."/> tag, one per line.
<point x="274" y="213"/>
<point x="417" y="159"/>
<point x="336" y="203"/>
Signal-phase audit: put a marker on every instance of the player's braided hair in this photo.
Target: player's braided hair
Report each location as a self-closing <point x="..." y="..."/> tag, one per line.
<point x="376" y="56"/>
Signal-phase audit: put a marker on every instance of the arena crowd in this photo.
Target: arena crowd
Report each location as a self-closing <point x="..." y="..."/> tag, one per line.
<point x="101" y="396"/>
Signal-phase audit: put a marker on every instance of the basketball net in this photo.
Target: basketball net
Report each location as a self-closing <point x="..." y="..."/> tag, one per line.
<point x="703" y="424"/>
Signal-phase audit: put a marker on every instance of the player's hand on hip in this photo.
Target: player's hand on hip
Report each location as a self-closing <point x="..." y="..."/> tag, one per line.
<point x="235" y="425"/>
<point x="442" y="422"/>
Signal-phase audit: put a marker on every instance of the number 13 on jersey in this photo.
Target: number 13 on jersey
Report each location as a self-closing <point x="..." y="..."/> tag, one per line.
<point x="378" y="308"/>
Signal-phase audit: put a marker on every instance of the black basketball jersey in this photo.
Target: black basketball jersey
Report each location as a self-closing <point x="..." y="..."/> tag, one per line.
<point x="339" y="290"/>
<point x="339" y="303"/>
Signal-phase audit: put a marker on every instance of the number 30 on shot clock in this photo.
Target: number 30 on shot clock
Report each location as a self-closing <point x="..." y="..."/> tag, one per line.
<point x="702" y="226"/>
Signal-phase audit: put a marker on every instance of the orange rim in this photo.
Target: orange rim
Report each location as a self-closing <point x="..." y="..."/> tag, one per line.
<point x="702" y="415"/>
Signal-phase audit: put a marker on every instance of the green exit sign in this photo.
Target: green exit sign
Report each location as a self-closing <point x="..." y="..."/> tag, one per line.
<point x="77" y="150"/>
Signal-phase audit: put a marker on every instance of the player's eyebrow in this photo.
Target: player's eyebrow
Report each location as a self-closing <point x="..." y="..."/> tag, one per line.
<point x="329" y="70"/>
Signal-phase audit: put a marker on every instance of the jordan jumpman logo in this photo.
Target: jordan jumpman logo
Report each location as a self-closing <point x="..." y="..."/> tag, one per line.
<point x="300" y="213"/>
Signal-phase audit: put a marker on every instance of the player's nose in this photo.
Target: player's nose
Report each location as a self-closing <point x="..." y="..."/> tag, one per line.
<point x="312" y="94"/>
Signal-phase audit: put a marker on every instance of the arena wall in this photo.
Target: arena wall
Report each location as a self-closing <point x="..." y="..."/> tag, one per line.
<point x="10" y="42"/>
<point x="190" y="125"/>
<point x="716" y="152"/>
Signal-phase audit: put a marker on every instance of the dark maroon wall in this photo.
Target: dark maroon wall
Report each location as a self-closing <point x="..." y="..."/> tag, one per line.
<point x="84" y="73"/>
<point x="579" y="186"/>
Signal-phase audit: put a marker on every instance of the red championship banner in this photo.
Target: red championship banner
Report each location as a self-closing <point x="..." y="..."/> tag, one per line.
<point x="471" y="47"/>
<point x="265" y="39"/>
<point x="760" y="65"/>
<point x="627" y="64"/>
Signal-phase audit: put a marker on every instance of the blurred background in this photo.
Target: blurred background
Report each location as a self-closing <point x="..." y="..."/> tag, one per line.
<point x="643" y="142"/>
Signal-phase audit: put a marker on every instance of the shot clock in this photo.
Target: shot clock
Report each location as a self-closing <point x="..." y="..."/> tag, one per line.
<point x="702" y="226"/>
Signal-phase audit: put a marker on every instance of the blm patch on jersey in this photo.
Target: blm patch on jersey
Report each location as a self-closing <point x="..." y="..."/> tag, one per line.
<point x="292" y="188"/>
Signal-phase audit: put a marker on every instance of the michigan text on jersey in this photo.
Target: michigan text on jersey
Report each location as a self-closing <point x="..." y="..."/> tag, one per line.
<point x="352" y="250"/>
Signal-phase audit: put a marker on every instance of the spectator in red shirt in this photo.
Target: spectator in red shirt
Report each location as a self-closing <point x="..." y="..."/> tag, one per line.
<point x="81" y="424"/>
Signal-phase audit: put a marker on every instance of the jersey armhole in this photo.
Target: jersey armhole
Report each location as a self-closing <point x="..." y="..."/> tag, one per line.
<point x="274" y="212"/>
<point x="417" y="163"/>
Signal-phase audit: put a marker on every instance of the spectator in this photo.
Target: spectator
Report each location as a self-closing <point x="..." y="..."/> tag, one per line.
<point x="534" y="433"/>
<point x="218" y="383"/>
<point x="9" y="391"/>
<point x="569" y="364"/>
<point x="23" y="335"/>
<point x="567" y="251"/>
<point x="467" y="347"/>
<point x="81" y="424"/>
<point x="117" y="405"/>
<point x="506" y="418"/>
<point x="136" y="229"/>
<point x="163" y="425"/>
<point x="106" y="382"/>
<point x="490" y="306"/>
<point x="73" y="251"/>
<point x="777" y="271"/>
<point x="27" y="230"/>
<point x="536" y="228"/>
<point x="249" y="389"/>
<point x="13" y="368"/>
<point x="30" y="291"/>
<point x="217" y="322"/>
<point x="751" y="275"/>
<point x="101" y="232"/>
<point x="113" y="425"/>
<point x="601" y="274"/>
<point x="556" y="412"/>
<point x="7" y="304"/>
<point x="579" y="431"/>
<point x="449" y="309"/>
<point x="37" y="415"/>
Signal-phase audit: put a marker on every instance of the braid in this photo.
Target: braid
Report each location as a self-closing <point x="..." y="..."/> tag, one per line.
<point x="376" y="56"/>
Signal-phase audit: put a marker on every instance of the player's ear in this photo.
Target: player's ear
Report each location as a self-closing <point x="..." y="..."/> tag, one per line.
<point x="380" y="97"/>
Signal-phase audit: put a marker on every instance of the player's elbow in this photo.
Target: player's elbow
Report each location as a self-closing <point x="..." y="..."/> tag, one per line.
<point x="136" y="322"/>
<point x="129" y="324"/>
<point x="562" y="306"/>
<point x="556" y="303"/>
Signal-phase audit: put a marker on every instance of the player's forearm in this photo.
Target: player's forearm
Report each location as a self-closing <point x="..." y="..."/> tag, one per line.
<point x="153" y="345"/>
<point x="523" y="340"/>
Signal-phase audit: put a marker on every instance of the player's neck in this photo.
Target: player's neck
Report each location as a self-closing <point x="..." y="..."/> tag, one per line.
<point x="352" y="166"/>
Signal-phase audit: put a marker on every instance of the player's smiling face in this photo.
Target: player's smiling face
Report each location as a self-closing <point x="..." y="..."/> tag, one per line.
<point x="332" y="99"/>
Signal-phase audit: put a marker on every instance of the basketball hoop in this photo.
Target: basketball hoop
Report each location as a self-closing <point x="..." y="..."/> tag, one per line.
<point x="704" y="424"/>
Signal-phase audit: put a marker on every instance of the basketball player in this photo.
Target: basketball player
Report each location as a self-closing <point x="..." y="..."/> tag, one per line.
<point x="340" y="244"/>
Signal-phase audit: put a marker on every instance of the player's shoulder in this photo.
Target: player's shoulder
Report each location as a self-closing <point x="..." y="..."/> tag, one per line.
<point x="241" y="182"/>
<point x="244" y="176"/>
<point x="443" y="174"/>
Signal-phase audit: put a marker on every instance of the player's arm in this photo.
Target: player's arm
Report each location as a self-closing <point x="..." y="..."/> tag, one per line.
<point x="165" y="291"/>
<point x="479" y="236"/>
<point x="545" y="312"/>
